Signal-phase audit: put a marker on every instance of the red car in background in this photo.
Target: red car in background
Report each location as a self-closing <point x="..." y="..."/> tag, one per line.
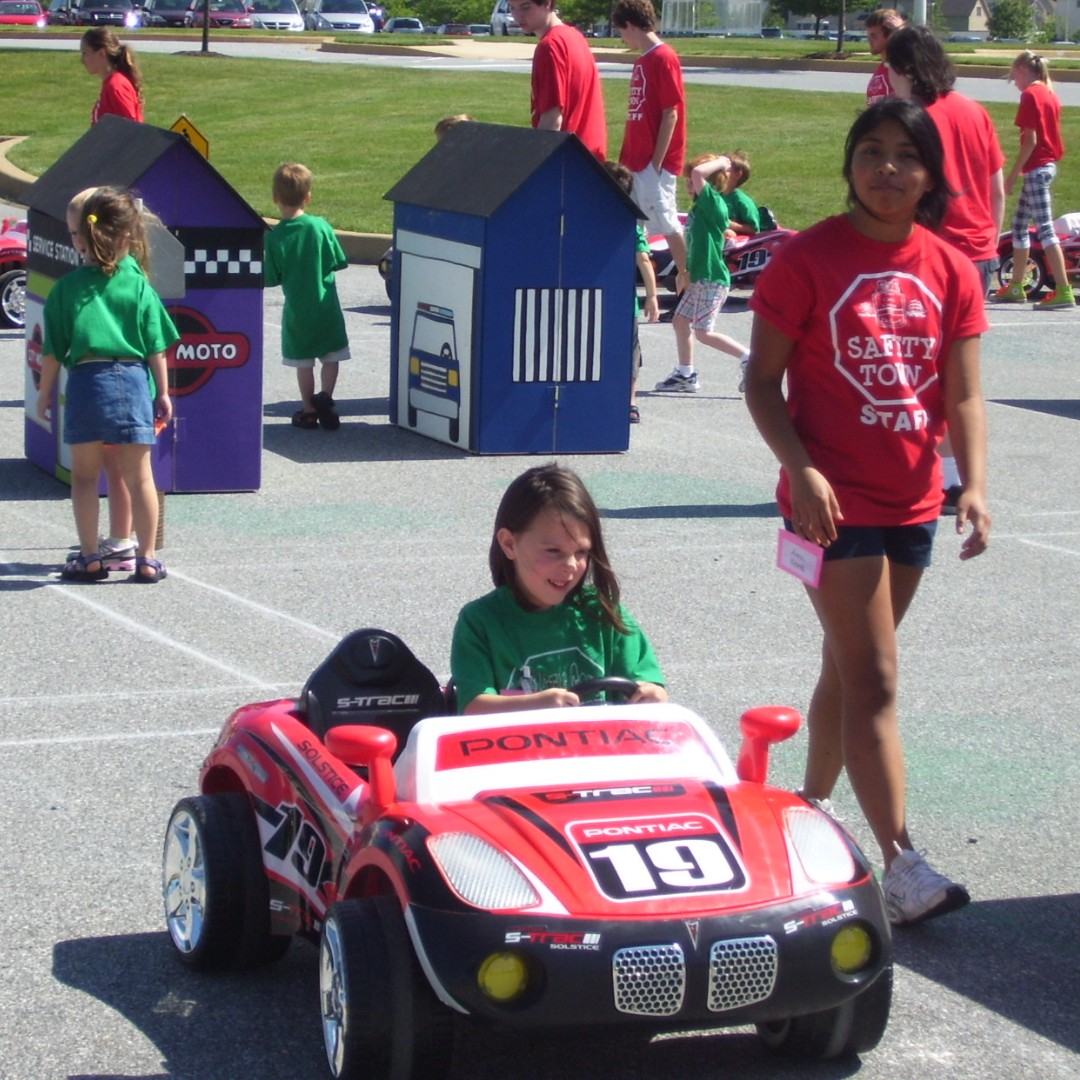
<point x="1038" y="277"/>
<point x="22" y="13"/>
<point x="224" y="15"/>
<point x="13" y="272"/>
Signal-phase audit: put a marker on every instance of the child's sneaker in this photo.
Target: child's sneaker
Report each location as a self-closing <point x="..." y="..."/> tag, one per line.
<point x="685" y="384"/>
<point x="1059" y="298"/>
<point x="915" y="891"/>
<point x="117" y="555"/>
<point x="1011" y="294"/>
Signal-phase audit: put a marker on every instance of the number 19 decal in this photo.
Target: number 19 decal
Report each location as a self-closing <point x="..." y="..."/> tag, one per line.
<point x="645" y="858"/>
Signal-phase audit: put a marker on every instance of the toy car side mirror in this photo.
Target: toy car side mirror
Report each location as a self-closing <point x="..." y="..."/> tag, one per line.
<point x="761" y="728"/>
<point x="373" y="748"/>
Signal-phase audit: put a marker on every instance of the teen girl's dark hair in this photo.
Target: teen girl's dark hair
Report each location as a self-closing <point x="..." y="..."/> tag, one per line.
<point x="551" y="487"/>
<point x="113" y="226"/>
<point x="917" y="54"/>
<point x="922" y="131"/>
<point x="121" y="56"/>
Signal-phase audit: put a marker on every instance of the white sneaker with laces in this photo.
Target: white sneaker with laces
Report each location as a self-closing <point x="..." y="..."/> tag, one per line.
<point x="117" y="555"/>
<point x="685" y="384"/>
<point x="915" y="891"/>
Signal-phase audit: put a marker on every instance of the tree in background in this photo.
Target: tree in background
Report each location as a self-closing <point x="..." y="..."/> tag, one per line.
<point x="1012" y="19"/>
<point x="815" y="9"/>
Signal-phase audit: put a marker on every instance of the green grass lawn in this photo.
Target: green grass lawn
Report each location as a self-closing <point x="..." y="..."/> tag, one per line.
<point x="361" y="128"/>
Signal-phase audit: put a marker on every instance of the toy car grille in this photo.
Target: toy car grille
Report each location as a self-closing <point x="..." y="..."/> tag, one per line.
<point x="741" y="972"/>
<point x="649" y="980"/>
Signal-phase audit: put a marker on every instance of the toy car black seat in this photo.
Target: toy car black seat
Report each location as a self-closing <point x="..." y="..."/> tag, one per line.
<point x="371" y="677"/>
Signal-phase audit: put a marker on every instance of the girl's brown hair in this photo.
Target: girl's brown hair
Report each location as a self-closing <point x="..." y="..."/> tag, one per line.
<point x="121" y="56"/>
<point x="112" y="224"/>
<point x="551" y="487"/>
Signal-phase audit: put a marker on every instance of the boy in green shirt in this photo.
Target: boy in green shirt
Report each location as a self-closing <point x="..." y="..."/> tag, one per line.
<point x="700" y="303"/>
<point x="302" y="255"/>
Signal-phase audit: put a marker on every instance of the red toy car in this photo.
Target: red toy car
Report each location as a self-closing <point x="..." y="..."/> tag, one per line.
<point x="548" y="869"/>
<point x="746" y="256"/>
<point x="1038" y="277"/>
<point x="13" y="272"/>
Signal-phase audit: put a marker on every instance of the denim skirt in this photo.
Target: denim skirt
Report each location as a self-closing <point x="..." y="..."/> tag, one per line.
<point x="109" y="401"/>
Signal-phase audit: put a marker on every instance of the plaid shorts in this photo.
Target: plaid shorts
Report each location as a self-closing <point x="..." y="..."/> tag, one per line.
<point x="701" y="302"/>
<point x="1034" y="206"/>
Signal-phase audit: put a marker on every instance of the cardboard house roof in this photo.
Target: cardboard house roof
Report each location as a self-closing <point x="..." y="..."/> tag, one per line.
<point x="117" y="153"/>
<point x="476" y="167"/>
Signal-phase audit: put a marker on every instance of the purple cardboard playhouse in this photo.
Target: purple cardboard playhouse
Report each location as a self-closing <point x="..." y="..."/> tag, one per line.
<point x="215" y="371"/>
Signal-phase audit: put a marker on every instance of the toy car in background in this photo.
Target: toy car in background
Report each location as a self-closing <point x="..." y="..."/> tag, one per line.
<point x="540" y="870"/>
<point x="13" y="272"/>
<point x="1038" y="277"/>
<point x="746" y="256"/>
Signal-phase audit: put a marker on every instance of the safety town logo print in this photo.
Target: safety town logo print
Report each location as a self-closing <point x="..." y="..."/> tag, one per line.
<point x="886" y="329"/>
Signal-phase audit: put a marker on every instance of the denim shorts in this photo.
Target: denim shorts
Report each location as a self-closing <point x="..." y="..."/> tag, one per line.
<point x="108" y="401"/>
<point x="906" y="545"/>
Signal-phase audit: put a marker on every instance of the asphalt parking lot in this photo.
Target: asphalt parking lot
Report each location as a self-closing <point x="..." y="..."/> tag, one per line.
<point x="112" y="695"/>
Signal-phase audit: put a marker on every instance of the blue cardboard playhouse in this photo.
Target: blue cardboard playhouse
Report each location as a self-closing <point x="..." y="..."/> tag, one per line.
<point x="215" y="371"/>
<point x="513" y="295"/>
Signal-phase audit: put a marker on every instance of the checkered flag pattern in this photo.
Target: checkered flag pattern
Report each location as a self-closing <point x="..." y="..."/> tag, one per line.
<point x="222" y="258"/>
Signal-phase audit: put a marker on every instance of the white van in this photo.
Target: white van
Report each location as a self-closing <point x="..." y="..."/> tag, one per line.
<point x="502" y="22"/>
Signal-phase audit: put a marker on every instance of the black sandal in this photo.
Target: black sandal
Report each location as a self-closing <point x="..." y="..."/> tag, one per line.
<point x="307" y="420"/>
<point x="324" y="411"/>
<point x="78" y="568"/>
<point x="159" y="571"/>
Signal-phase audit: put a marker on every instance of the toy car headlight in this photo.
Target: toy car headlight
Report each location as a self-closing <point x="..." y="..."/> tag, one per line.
<point x="821" y="850"/>
<point x="481" y="874"/>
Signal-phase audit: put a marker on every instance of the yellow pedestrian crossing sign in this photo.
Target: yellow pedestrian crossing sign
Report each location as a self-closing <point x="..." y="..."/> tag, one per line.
<point x="185" y="127"/>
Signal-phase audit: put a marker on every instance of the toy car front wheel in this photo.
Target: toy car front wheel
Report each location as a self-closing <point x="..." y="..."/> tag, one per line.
<point x="217" y="904"/>
<point x="1036" y="277"/>
<point x="380" y="1019"/>
<point x="851" y="1028"/>
<point x="13" y="298"/>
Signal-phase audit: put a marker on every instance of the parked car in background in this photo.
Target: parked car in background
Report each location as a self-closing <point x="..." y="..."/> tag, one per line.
<point x="276" y="15"/>
<point x="160" y="13"/>
<point x="455" y="29"/>
<point x="479" y="29"/>
<point x="502" y="21"/>
<point x="347" y="15"/>
<point x="223" y="14"/>
<point x="95" y="13"/>
<point x="402" y="24"/>
<point x="22" y="13"/>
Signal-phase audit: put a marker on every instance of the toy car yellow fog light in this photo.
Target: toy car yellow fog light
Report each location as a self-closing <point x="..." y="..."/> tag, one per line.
<point x="851" y="949"/>
<point x="503" y="977"/>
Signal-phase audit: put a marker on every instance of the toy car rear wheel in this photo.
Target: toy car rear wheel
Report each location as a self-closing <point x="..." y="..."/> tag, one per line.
<point x="851" y="1028"/>
<point x="13" y="298"/>
<point x="381" y="1020"/>
<point x="217" y="904"/>
<point x="1036" y="278"/>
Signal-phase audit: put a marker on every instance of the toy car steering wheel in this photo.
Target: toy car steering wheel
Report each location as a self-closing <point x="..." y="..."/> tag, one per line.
<point x="611" y="684"/>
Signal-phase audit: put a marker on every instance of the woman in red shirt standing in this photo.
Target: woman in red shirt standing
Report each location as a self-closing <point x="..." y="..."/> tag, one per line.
<point x="104" y="55"/>
<point x="1041" y="148"/>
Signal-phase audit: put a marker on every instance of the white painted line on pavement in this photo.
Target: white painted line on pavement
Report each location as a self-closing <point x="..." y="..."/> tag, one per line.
<point x="70" y="593"/>
<point x="275" y="613"/>
<point x="131" y="736"/>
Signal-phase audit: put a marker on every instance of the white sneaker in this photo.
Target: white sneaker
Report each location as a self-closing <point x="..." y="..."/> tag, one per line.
<point x="915" y="891"/>
<point x="117" y="555"/>
<point x="686" y="384"/>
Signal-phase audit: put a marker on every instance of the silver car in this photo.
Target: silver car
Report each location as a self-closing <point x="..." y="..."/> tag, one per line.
<point x="276" y="15"/>
<point x="347" y="15"/>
